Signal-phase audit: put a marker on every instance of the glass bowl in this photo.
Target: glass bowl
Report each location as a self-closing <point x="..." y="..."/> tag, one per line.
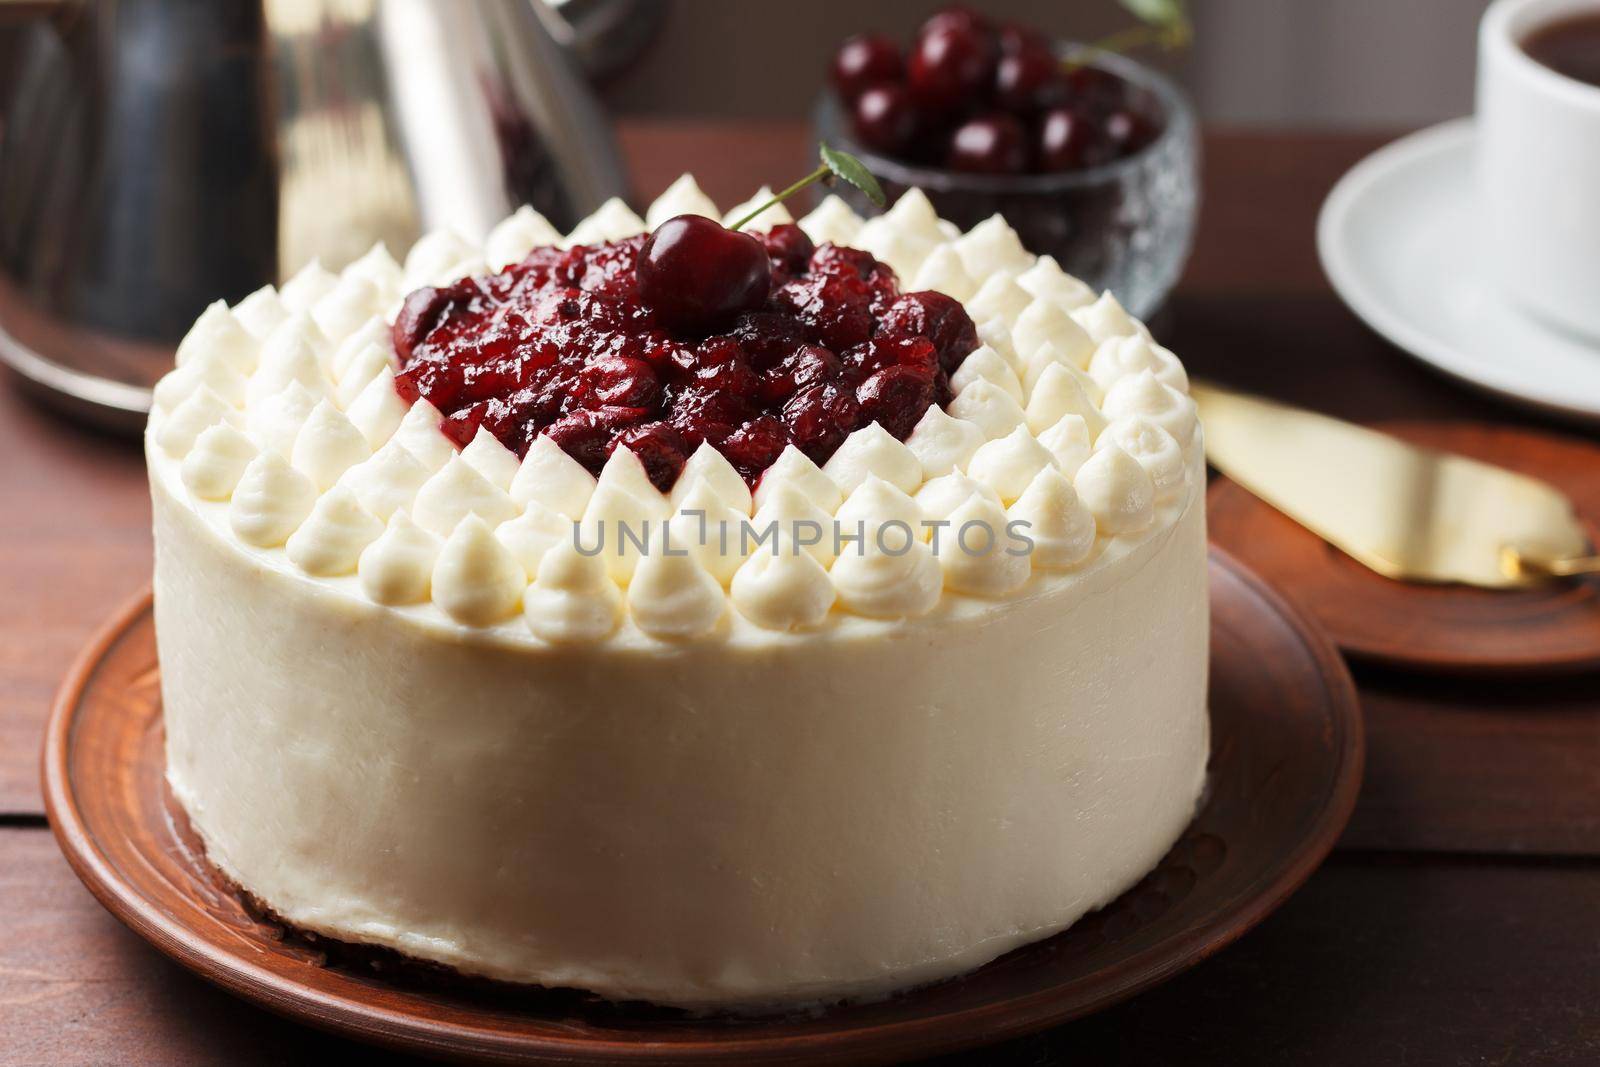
<point x="1126" y="225"/>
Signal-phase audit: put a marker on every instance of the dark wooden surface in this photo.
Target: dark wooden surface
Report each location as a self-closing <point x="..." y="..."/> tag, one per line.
<point x="1458" y="922"/>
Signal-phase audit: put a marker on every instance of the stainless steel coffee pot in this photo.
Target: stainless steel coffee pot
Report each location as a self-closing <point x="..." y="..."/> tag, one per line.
<point x="157" y="155"/>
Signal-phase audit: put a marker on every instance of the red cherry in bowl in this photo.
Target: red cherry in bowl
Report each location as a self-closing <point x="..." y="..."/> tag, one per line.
<point x="694" y="273"/>
<point x="958" y="17"/>
<point x="1028" y="77"/>
<point x="1128" y="131"/>
<point x="990" y="144"/>
<point x="866" y="60"/>
<point x="951" y="65"/>
<point x="885" y="118"/>
<point x="1068" y="139"/>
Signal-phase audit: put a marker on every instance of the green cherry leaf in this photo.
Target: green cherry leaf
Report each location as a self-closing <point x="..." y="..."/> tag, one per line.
<point x="1158" y="12"/>
<point x="848" y="168"/>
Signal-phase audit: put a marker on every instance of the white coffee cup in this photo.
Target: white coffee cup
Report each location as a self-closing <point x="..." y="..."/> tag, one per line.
<point x="1538" y="148"/>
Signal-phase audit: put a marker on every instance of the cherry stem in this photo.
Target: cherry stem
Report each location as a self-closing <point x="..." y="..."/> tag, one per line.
<point x="1168" y="36"/>
<point x="820" y="174"/>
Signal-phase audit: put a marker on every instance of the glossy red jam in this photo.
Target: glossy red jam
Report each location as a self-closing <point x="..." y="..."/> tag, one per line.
<point x="560" y="344"/>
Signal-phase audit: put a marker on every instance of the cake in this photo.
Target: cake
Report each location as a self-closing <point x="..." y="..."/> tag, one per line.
<point x="408" y="704"/>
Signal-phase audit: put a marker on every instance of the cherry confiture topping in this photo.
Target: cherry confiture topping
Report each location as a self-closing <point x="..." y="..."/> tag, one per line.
<point x="575" y="344"/>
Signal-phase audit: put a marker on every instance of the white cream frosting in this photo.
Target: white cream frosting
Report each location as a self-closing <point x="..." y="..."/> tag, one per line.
<point x="611" y="221"/>
<point x="397" y="567"/>
<point x="888" y="241"/>
<point x="377" y="410"/>
<point x="1156" y="450"/>
<point x="712" y="532"/>
<point x="708" y="469"/>
<point x="999" y="297"/>
<point x="572" y="597"/>
<point x="1061" y="528"/>
<point x="682" y="197"/>
<point x="789" y="513"/>
<point x="219" y="334"/>
<point x="331" y="539"/>
<point x="530" y="536"/>
<point x="439" y="258"/>
<point x="217" y="461"/>
<point x="200" y="410"/>
<point x="989" y="407"/>
<point x="359" y="357"/>
<point x="276" y="421"/>
<point x="327" y="445"/>
<point x="996" y="333"/>
<point x="680" y="729"/>
<point x="783" y="588"/>
<point x="984" y="362"/>
<point x="291" y="353"/>
<point x="309" y="284"/>
<point x="512" y="239"/>
<point x="672" y="597"/>
<point x="1044" y="322"/>
<point x="1106" y="318"/>
<point x="1060" y="391"/>
<point x="353" y="350"/>
<point x="874" y="504"/>
<point x="209" y="370"/>
<point x="1070" y="441"/>
<point x="943" y="271"/>
<point x="939" y="497"/>
<point x="380" y="268"/>
<point x="319" y="391"/>
<point x="270" y="502"/>
<point x="914" y="214"/>
<point x="359" y="367"/>
<point x="872" y="452"/>
<point x="476" y="580"/>
<point x="877" y="579"/>
<point x="616" y="525"/>
<point x="455" y="492"/>
<point x="1008" y="464"/>
<point x="549" y="477"/>
<point x="259" y="314"/>
<point x="978" y="554"/>
<point x="772" y="215"/>
<point x="943" y="443"/>
<point x="1144" y="394"/>
<point x="494" y="461"/>
<point x="624" y="472"/>
<point x="1117" y="490"/>
<point x="419" y="433"/>
<point x="831" y="221"/>
<point x="388" y="481"/>
<point x="1047" y="281"/>
<point x="1119" y="357"/>
<point x="992" y="247"/>
<point x="350" y="303"/>
<point x="794" y="468"/>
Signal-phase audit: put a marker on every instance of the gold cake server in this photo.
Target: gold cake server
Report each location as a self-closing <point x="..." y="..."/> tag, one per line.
<point x="1407" y="512"/>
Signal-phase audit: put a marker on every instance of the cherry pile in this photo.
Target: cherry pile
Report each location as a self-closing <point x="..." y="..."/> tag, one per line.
<point x="976" y="97"/>
<point x="803" y="348"/>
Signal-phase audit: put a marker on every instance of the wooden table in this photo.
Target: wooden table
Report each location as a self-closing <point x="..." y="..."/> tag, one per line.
<point x="1458" y="921"/>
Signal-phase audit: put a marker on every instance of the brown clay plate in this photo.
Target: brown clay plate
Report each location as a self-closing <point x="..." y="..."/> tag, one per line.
<point x="1453" y="628"/>
<point x="1286" y="765"/>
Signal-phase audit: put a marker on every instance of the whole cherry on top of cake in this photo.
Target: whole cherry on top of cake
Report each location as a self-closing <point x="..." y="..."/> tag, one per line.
<point x="695" y="332"/>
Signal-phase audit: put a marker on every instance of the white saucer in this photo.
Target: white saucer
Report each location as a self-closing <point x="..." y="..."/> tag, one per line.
<point x="1401" y="241"/>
